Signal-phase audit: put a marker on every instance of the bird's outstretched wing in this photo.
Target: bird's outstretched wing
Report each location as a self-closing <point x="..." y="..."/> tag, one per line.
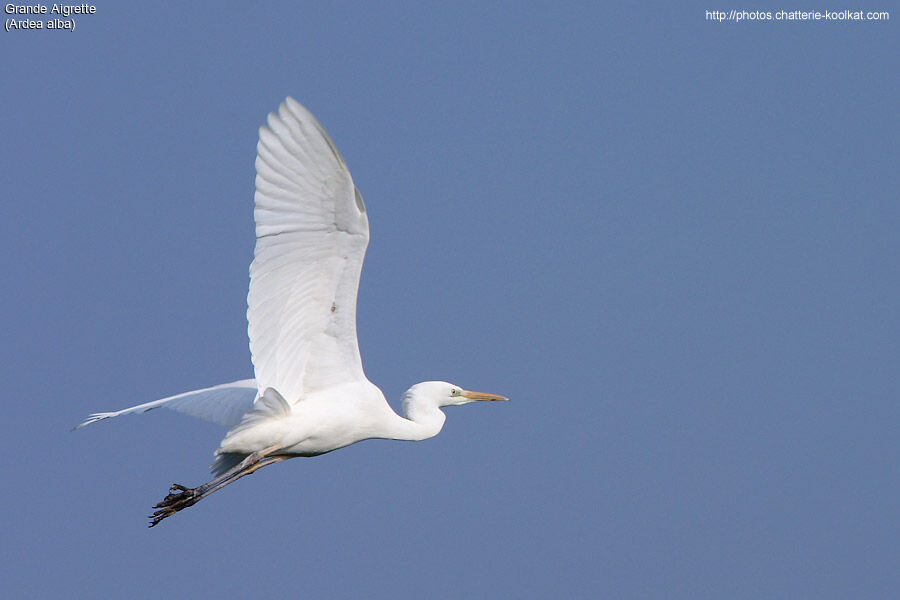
<point x="222" y="404"/>
<point x="311" y="237"/>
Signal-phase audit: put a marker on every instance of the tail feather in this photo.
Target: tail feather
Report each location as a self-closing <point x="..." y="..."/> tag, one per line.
<point x="225" y="462"/>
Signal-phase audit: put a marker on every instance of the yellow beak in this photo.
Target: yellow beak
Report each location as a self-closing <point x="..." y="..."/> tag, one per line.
<point x="481" y="396"/>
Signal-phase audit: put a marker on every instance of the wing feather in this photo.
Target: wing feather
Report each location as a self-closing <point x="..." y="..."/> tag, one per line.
<point x="221" y="404"/>
<point x="311" y="237"/>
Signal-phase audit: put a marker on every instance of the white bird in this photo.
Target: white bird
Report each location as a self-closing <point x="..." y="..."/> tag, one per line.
<point x="310" y="395"/>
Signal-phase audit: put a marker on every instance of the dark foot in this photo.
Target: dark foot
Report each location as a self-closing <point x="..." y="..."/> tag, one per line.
<point x="179" y="497"/>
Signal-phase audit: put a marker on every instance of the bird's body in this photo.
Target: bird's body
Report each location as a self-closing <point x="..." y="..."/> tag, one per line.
<point x="310" y="395"/>
<point x="322" y="422"/>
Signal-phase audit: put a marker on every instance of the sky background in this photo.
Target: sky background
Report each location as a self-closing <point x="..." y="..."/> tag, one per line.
<point x="673" y="243"/>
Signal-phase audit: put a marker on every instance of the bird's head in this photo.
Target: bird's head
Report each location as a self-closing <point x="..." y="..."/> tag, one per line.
<point x="441" y="393"/>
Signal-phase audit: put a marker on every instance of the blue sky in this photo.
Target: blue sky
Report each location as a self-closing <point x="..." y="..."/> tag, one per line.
<point x="673" y="243"/>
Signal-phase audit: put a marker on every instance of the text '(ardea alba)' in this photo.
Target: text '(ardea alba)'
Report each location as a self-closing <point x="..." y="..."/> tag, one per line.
<point x="310" y="395"/>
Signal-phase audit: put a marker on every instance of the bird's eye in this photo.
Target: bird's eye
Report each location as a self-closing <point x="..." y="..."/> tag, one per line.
<point x="454" y="392"/>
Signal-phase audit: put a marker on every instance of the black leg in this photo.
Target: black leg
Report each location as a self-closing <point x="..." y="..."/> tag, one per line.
<point x="180" y="497"/>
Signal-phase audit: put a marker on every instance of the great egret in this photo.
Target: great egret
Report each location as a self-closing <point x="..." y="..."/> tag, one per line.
<point x="310" y="395"/>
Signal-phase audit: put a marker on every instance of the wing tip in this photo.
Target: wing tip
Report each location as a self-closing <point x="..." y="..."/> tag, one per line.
<point x="93" y="419"/>
<point x="291" y="103"/>
<point x="290" y="108"/>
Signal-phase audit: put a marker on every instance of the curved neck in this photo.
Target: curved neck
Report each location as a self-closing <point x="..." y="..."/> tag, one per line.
<point x="421" y="421"/>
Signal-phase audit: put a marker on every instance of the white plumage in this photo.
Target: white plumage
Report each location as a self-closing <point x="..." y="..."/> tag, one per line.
<point x="311" y="236"/>
<point x="310" y="395"/>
